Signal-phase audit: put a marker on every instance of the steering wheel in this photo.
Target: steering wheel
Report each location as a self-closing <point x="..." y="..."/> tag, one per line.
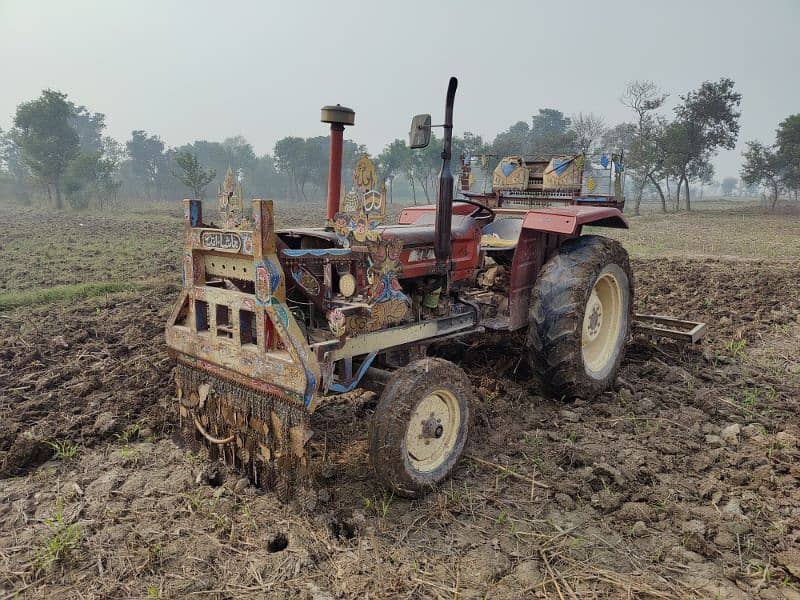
<point x="481" y="211"/>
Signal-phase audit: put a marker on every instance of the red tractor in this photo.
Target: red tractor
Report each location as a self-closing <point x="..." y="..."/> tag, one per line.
<point x="271" y="323"/>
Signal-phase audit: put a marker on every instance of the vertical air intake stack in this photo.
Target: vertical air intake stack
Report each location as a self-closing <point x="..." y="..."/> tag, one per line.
<point x="444" y="199"/>
<point x="338" y="116"/>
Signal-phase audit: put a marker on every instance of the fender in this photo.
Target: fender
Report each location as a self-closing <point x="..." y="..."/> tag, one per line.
<point x="543" y="231"/>
<point x="568" y="220"/>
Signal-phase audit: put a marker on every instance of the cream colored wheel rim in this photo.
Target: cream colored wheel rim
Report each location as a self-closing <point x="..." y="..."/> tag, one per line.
<point x="601" y="323"/>
<point x="433" y="430"/>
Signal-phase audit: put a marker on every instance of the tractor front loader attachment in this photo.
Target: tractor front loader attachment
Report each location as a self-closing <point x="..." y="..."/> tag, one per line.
<point x="245" y="377"/>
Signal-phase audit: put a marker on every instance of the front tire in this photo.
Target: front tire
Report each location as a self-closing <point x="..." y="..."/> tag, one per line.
<point x="420" y="426"/>
<point x="580" y="318"/>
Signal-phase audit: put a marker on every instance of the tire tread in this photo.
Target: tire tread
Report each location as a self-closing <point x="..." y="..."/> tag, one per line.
<point x="556" y="315"/>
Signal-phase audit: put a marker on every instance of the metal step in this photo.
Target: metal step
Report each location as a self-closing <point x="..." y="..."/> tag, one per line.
<point x="685" y="331"/>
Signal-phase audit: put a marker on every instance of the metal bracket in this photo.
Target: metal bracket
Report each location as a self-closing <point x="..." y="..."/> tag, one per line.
<point x="678" y="329"/>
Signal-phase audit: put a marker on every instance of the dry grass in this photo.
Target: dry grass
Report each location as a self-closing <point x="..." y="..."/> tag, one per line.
<point x="748" y="233"/>
<point x="64" y="293"/>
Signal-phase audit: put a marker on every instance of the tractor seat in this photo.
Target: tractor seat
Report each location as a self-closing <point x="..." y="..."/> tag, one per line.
<point x="502" y="234"/>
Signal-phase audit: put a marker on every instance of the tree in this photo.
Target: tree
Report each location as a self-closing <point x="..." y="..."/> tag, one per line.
<point x="654" y="153"/>
<point x="392" y="161"/>
<point x="288" y="160"/>
<point x="428" y="167"/>
<point x="422" y="168"/>
<point x="108" y="170"/>
<point x="762" y="165"/>
<point x="45" y="139"/>
<point x="788" y="148"/>
<point x="93" y="175"/>
<point x="707" y="120"/>
<point x="89" y="127"/>
<point x="514" y="140"/>
<point x="471" y="144"/>
<point x="411" y="169"/>
<point x="239" y="151"/>
<point x="234" y="152"/>
<point x="80" y="176"/>
<point x="11" y="163"/>
<point x="728" y="185"/>
<point x="647" y="155"/>
<point x="264" y="180"/>
<point x="640" y="153"/>
<point x="643" y="97"/>
<point x="619" y="138"/>
<point x="147" y="159"/>
<point x="551" y="134"/>
<point x="315" y="165"/>
<point x="305" y="162"/>
<point x="192" y="174"/>
<point x="588" y="129"/>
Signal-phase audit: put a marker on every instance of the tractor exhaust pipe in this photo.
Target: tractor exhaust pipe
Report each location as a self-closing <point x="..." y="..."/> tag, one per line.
<point x="444" y="199"/>
<point x="338" y="116"/>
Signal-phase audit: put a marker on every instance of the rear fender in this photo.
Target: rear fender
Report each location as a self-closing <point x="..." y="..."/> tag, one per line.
<point x="568" y="220"/>
<point x="543" y="232"/>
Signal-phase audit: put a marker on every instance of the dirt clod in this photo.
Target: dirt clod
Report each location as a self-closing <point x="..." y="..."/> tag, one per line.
<point x="213" y="475"/>
<point x="733" y="507"/>
<point x="105" y="424"/>
<point x="730" y="434"/>
<point x="639" y="529"/>
<point x="725" y="540"/>
<point x="484" y="564"/>
<point x="345" y="527"/>
<point x="25" y="454"/>
<point x="791" y="560"/>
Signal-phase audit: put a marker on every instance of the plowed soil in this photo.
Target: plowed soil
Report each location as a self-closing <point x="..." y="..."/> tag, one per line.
<point x="682" y="482"/>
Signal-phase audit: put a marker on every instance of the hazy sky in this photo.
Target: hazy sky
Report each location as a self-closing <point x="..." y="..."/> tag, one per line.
<point x="201" y="69"/>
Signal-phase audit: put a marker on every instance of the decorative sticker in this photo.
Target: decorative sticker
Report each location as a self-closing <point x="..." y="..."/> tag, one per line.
<point x="226" y="241"/>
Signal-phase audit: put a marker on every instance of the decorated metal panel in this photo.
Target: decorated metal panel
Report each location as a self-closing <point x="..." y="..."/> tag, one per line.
<point x="564" y="172"/>
<point x="225" y="253"/>
<point x="230" y="201"/>
<point x="510" y="174"/>
<point x="362" y="208"/>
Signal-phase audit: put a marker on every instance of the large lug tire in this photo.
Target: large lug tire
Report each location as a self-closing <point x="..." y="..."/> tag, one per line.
<point x="580" y="318"/>
<point x="420" y="426"/>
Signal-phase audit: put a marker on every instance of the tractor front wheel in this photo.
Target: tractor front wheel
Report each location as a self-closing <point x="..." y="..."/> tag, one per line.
<point x="420" y="426"/>
<point x="580" y="319"/>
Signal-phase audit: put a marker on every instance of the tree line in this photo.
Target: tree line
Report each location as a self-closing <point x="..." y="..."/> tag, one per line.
<point x="59" y="150"/>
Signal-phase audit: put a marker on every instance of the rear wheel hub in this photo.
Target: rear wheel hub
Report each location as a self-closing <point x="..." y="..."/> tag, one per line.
<point x="602" y="321"/>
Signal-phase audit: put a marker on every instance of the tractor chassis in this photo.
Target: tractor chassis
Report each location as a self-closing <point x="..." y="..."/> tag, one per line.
<point x="269" y="323"/>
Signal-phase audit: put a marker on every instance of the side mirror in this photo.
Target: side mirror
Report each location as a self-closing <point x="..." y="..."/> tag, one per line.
<point x="420" y="134"/>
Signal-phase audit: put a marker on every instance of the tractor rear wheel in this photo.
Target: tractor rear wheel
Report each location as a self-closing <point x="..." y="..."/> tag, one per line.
<point x="580" y="318"/>
<point x="420" y="426"/>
